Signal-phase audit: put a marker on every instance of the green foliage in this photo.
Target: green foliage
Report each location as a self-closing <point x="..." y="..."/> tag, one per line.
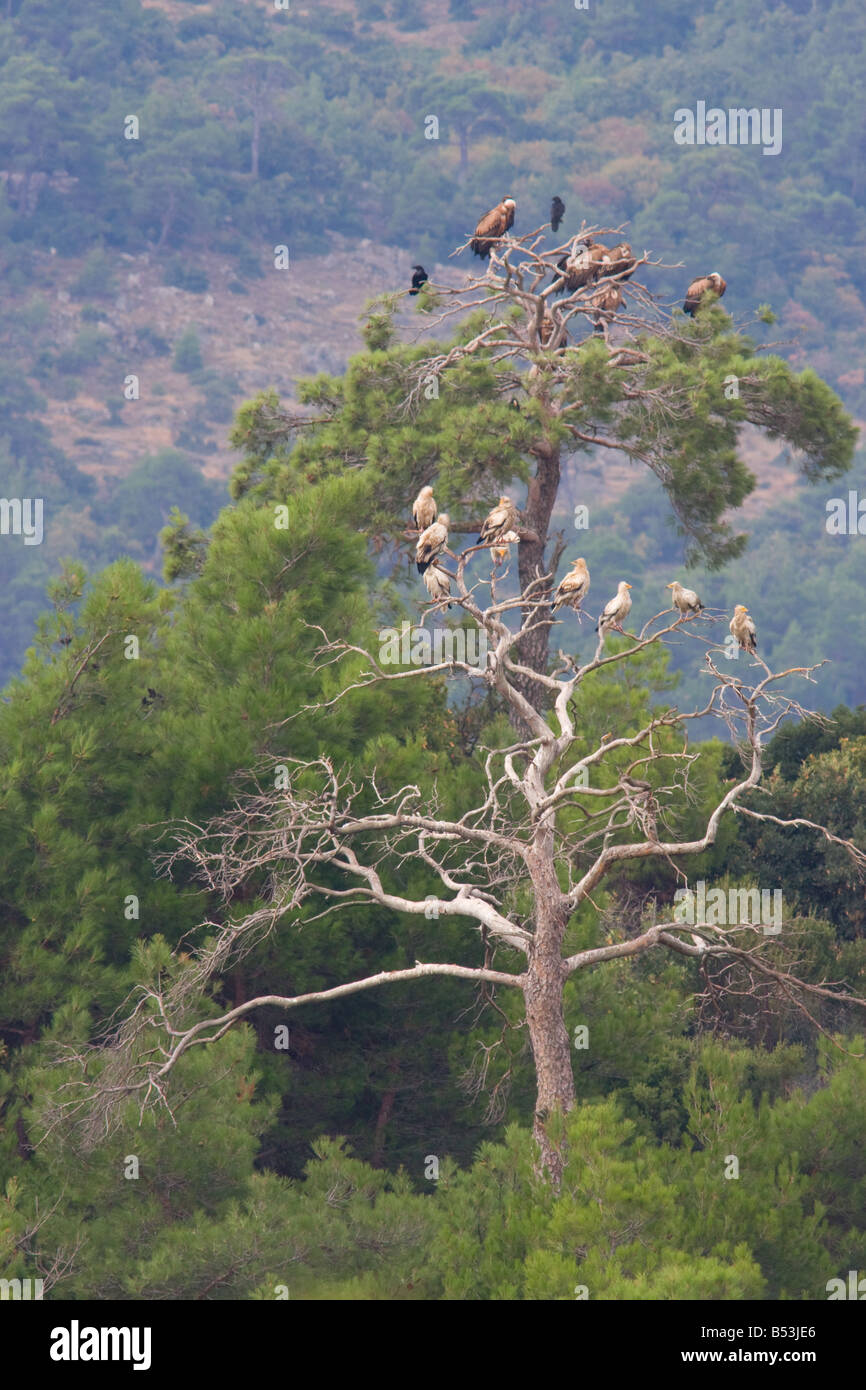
<point x="96" y="280"/>
<point x="188" y="277"/>
<point x="187" y="353"/>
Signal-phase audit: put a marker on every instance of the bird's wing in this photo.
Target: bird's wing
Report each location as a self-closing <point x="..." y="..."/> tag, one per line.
<point x="492" y="224"/>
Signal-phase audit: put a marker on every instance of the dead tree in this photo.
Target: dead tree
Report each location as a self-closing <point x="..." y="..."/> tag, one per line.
<point x="549" y="825"/>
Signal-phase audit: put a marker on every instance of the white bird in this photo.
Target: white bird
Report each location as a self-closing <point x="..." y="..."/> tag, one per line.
<point x="438" y="584"/>
<point x="574" y="586"/>
<point x="502" y="518"/>
<point x="424" y="509"/>
<point x="742" y="627"/>
<point x="431" y="542"/>
<point x="686" y="600"/>
<point x="616" y="610"/>
<point x="500" y="552"/>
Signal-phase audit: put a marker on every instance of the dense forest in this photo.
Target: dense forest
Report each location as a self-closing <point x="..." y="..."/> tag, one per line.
<point x="165" y="671"/>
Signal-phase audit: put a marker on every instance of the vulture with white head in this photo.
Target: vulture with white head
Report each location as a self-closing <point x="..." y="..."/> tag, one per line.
<point x="503" y="518"/>
<point x="574" y="586"/>
<point x="742" y="627"/>
<point x="438" y="584"/>
<point x="616" y="610"/>
<point x="424" y="509"/>
<point x="492" y="225"/>
<point x="698" y="288"/>
<point x="686" y="600"/>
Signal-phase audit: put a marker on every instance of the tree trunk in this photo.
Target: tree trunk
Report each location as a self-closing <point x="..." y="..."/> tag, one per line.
<point x="384" y="1116"/>
<point x="551" y="1054"/>
<point x="548" y="1035"/>
<point x="167" y="220"/>
<point x="540" y="501"/>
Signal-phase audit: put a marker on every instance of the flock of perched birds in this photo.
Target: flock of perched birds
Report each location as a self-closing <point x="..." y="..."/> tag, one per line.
<point x="587" y="263"/>
<point x="501" y="529"/>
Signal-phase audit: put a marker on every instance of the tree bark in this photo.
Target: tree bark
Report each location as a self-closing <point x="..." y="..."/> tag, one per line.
<point x="382" y="1119"/>
<point x="540" y="502"/>
<point x="543" y="996"/>
<point x="167" y="220"/>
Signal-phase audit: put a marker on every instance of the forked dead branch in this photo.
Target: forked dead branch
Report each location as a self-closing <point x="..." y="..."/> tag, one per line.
<point x="552" y="819"/>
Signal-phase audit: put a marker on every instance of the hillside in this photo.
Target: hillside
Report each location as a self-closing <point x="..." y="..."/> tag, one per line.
<point x="153" y="256"/>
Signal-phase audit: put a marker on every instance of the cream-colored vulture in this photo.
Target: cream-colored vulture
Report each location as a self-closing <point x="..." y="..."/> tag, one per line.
<point x="686" y="600"/>
<point x="616" y="610"/>
<point x="743" y="629"/>
<point x="698" y="288"/>
<point x="574" y="586"/>
<point x="500" y="552"/>
<point x="424" y="509"/>
<point x="438" y="584"/>
<point x="431" y="543"/>
<point x="503" y="518"/>
<point x="493" y="224"/>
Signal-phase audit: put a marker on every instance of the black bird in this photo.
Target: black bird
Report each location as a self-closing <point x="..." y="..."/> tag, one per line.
<point x="557" y="212"/>
<point x="419" y="278"/>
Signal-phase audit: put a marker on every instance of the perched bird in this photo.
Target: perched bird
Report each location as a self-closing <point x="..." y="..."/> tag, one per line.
<point x="500" y="552"/>
<point x="419" y="278"/>
<point x="438" y="584"/>
<point x="743" y="629"/>
<point x="557" y="212"/>
<point x="431" y="543"/>
<point x="574" y="586"/>
<point x="698" y="288"/>
<point x="606" y="300"/>
<point x="686" y="600"/>
<point x="545" y="330"/>
<point x="622" y="262"/>
<point x="493" y="224"/>
<point x="616" y="610"/>
<point x="583" y="266"/>
<point x="424" y="509"/>
<point x="503" y="518"/>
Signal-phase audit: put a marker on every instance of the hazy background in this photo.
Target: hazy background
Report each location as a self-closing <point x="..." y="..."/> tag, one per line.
<point x="153" y="256"/>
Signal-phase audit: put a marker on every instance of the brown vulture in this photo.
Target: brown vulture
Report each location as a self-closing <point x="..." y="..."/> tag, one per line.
<point x="424" y="509"/>
<point x="493" y="224"/>
<point x="557" y="212"/>
<point x="698" y="288"/>
<point x="622" y="262"/>
<point x="606" y="300"/>
<point x="545" y="330"/>
<point x="583" y="266"/>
